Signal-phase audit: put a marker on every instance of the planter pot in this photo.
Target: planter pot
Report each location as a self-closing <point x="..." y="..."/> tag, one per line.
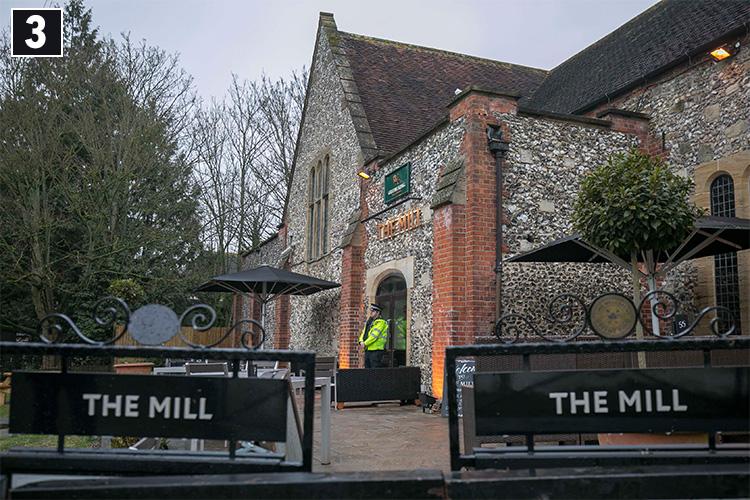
<point x="652" y="439"/>
<point x="134" y="368"/>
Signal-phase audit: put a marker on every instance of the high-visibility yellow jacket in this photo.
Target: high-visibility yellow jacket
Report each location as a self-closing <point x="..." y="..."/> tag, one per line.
<point x="377" y="335"/>
<point x="399" y="341"/>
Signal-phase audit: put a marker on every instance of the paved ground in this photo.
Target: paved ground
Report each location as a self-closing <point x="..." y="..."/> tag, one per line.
<point x="384" y="437"/>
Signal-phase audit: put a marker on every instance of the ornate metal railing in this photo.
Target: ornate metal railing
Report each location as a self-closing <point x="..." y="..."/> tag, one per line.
<point x="67" y="342"/>
<point x="150" y="325"/>
<point x="610" y="316"/>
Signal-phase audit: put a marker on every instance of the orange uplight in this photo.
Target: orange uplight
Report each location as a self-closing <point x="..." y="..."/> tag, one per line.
<point x="720" y="54"/>
<point x="363" y="175"/>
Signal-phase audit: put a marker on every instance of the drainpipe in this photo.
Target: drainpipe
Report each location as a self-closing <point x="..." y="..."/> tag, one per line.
<point x="499" y="148"/>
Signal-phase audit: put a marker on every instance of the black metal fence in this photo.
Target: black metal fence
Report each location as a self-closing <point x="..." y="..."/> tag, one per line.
<point x="574" y="336"/>
<point x="150" y="326"/>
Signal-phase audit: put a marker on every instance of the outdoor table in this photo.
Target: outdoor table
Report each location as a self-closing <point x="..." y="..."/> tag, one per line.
<point x="297" y="383"/>
<point x="170" y="370"/>
<point x="325" y="413"/>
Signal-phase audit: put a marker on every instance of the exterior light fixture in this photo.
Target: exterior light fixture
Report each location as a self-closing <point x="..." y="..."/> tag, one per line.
<point x="363" y="174"/>
<point x="724" y="52"/>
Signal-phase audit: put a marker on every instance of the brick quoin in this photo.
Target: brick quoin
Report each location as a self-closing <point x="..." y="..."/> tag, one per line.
<point x="282" y="312"/>
<point x="448" y="286"/>
<point x="282" y="332"/>
<point x="480" y="213"/>
<point x="649" y="140"/>
<point x="351" y="304"/>
<point x="464" y="279"/>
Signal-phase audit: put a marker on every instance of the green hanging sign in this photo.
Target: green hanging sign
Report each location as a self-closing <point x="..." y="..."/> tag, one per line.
<point x="398" y="183"/>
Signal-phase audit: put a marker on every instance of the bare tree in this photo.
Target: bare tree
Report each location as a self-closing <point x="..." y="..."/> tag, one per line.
<point x="244" y="148"/>
<point x="282" y="102"/>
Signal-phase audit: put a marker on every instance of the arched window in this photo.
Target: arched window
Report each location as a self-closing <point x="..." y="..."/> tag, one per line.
<point x="726" y="275"/>
<point x="317" y="209"/>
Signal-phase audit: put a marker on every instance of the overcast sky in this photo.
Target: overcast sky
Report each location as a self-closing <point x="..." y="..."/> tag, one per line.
<point x="216" y="38"/>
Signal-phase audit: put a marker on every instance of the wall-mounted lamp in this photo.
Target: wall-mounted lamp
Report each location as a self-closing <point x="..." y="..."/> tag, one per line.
<point x="724" y="52"/>
<point x="363" y="174"/>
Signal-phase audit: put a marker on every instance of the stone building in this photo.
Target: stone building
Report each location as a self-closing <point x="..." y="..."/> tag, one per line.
<point x="394" y="188"/>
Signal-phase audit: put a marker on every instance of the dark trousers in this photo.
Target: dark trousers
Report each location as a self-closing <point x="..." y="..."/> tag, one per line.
<point x="373" y="359"/>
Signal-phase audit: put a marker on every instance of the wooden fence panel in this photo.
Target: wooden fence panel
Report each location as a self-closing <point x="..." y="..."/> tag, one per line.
<point x="205" y="338"/>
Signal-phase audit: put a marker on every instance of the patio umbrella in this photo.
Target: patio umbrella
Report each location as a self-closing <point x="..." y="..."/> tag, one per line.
<point x="710" y="236"/>
<point x="269" y="283"/>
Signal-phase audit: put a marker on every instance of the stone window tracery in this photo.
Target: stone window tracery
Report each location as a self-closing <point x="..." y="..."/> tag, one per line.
<point x="317" y="209"/>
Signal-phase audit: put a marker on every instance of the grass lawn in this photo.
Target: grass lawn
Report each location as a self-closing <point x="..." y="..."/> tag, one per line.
<point x="44" y="441"/>
<point x="41" y="441"/>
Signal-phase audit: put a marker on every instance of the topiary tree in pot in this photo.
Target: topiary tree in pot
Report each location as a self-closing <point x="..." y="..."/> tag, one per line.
<point x="635" y="204"/>
<point x="635" y="207"/>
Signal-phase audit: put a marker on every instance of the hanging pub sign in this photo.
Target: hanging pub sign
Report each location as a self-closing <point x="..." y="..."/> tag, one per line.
<point x="398" y="183"/>
<point x="149" y="406"/>
<point x="662" y="400"/>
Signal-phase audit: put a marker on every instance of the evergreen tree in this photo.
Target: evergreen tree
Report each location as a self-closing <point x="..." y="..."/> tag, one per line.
<point x="94" y="182"/>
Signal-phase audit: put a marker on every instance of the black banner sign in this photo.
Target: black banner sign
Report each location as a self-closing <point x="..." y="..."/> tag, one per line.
<point x="149" y="406"/>
<point x="650" y="400"/>
<point x="465" y="369"/>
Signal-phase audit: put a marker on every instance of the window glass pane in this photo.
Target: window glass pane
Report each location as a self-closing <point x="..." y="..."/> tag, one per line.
<point x="316" y="231"/>
<point x="392" y="284"/>
<point x="325" y="224"/>
<point x="722" y="197"/>
<point x="726" y="273"/>
<point x="309" y="231"/>
<point x="317" y="181"/>
<point x="325" y="176"/>
<point x="310" y="184"/>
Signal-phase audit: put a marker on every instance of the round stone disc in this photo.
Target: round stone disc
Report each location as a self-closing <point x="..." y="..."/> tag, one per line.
<point x="153" y="324"/>
<point x="612" y="316"/>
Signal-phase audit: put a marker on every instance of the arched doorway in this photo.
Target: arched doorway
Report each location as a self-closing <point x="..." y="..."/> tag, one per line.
<point x="391" y="295"/>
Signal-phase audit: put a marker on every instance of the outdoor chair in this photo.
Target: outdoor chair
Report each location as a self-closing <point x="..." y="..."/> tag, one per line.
<point x="326" y="366"/>
<point x="253" y="368"/>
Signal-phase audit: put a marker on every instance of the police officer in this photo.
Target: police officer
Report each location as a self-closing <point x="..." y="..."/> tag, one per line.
<point x="399" y="342"/>
<point x="374" y="337"/>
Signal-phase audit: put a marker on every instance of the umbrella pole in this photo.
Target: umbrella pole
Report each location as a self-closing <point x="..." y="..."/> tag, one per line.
<point x="263" y="322"/>
<point x="651" y="279"/>
<point x="654" y="319"/>
<point x="636" y="301"/>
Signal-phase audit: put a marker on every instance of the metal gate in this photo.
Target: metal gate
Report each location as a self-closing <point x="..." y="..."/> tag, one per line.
<point x="237" y="407"/>
<point x="563" y="379"/>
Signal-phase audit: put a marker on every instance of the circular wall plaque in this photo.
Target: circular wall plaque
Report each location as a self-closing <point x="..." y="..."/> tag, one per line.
<point x="612" y="316"/>
<point x="153" y="324"/>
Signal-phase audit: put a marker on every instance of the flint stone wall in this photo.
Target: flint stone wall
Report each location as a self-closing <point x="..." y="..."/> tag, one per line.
<point x="427" y="158"/>
<point x="327" y="129"/>
<point x="704" y="114"/>
<point x="546" y="162"/>
<point x="267" y="254"/>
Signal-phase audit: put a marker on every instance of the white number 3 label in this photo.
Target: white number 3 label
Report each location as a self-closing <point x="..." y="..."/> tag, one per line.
<point x="37" y="31"/>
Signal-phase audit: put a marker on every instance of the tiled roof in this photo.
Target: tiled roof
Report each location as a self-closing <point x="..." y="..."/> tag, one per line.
<point x="667" y="32"/>
<point x="405" y="89"/>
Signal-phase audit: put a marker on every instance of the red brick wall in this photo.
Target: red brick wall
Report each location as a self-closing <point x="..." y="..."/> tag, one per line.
<point x="282" y="331"/>
<point x="649" y="141"/>
<point x="480" y="226"/>
<point x="449" y="287"/>
<point x="351" y="304"/>
<point x="464" y="279"/>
